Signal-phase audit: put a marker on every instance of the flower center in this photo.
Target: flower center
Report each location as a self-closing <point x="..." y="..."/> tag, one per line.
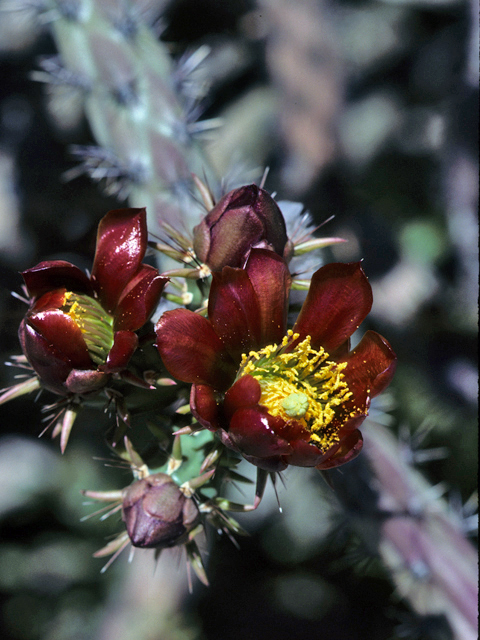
<point x="93" y="321"/>
<point x="301" y="385"/>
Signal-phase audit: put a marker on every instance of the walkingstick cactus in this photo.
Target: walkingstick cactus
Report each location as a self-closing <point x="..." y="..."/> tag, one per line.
<point x="225" y="375"/>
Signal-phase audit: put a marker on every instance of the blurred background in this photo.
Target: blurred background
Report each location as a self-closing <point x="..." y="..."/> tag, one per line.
<point x="366" y="110"/>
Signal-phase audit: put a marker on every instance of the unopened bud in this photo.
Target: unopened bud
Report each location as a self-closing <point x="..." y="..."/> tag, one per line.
<point x="156" y="512"/>
<point x="243" y="219"/>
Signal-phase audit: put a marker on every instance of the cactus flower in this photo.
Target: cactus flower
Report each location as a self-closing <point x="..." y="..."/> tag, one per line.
<point x="244" y="218"/>
<point x="157" y="514"/>
<point x="280" y="396"/>
<point x="79" y="329"/>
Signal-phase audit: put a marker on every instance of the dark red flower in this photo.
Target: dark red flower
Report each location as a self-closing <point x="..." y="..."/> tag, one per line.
<point x="244" y="218"/>
<point x="280" y="397"/>
<point x="79" y="329"/>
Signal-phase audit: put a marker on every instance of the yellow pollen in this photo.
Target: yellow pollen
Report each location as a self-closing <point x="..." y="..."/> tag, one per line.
<point x="300" y="384"/>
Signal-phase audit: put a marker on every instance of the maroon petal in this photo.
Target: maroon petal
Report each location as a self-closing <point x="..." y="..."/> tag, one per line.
<point x="339" y="298"/>
<point x="55" y="274"/>
<point x="204" y="406"/>
<point x="192" y="351"/>
<point x="124" y="345"/>
<point x="140" y="299"/>
<point x="304" y="454"/>
<point x="350" y="447"/>
<point x="271" y="282"/>
<point x="246" y="392"/>
<point x="63" y="334"/>
<point x="121" y="245"/>
<point x="51" y="366"/>
<point x="233" y="311"/>
<point x="370" y="368"/>
<point x="372" y="363"/>
<point x="253" y="431"/>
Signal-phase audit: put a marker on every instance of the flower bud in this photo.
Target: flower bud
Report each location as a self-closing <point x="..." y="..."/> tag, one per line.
<point x="244" y="218"/>
<point x="156" y="512"/>
<point x="79" y="329"/>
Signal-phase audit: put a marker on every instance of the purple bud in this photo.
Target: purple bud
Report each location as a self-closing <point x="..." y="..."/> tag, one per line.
<point x="243" y="219"/>
<point x="156" y="512"/>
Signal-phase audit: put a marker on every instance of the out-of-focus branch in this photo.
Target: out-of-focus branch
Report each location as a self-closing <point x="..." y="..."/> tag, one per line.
<point x="139" y="119"/>
<point x="422" y="543"/>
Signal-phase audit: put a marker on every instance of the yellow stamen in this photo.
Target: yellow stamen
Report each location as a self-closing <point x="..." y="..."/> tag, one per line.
<point x="301" y="384"/>
<point x="93" y="321"/>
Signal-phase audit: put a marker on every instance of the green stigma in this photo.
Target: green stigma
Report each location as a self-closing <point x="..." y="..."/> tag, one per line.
<point x="295" y="405"/>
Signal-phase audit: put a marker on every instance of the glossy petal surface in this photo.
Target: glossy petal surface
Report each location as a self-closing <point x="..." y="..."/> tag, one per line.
<point x="64" y="335"/>
<point x="121" y="246"/>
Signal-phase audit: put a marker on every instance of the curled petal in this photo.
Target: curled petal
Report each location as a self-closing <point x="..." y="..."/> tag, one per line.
<point x="253" y="431"/>
<point x="339" y="298"/>
<point x="140" y="299"/>
<point x="271" y="282"/>
<point x="121" y="246"/>
<point x="55" y="274"/>
<point x="348" y="449"/>
<point x="124" y="345"/>
<point x="192" y="351"/>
